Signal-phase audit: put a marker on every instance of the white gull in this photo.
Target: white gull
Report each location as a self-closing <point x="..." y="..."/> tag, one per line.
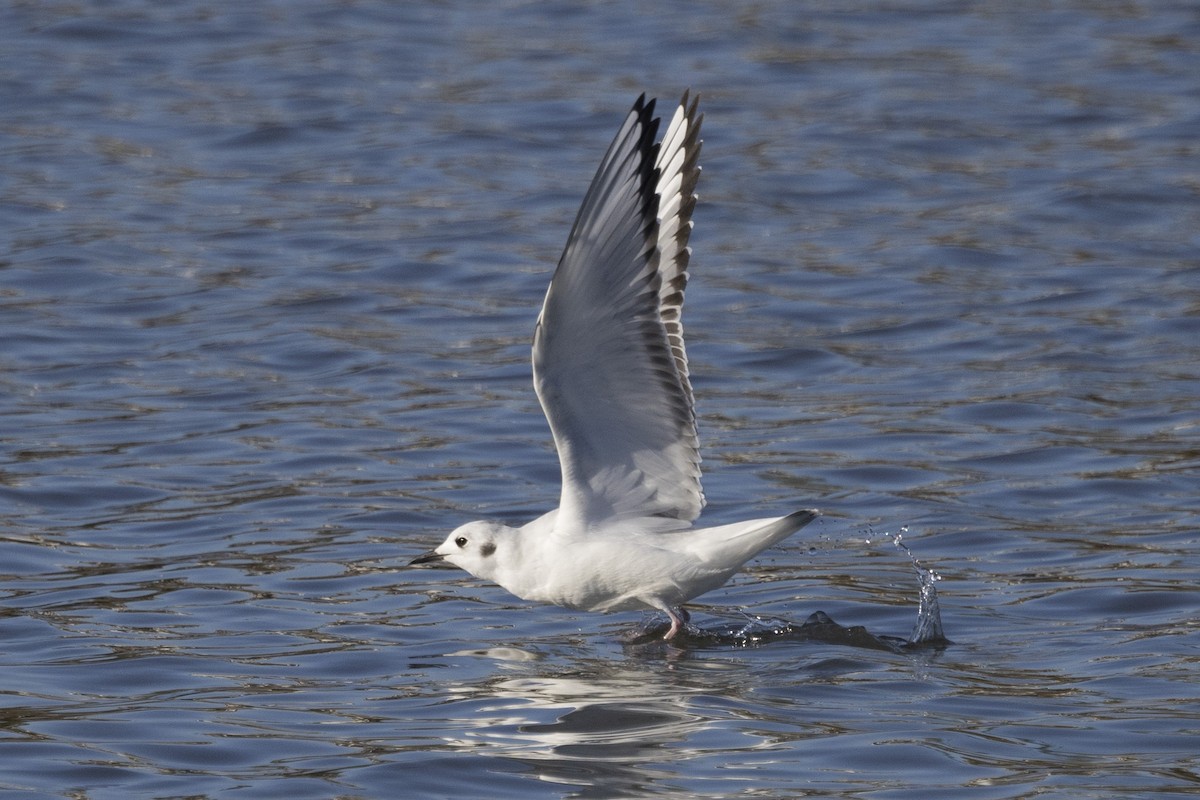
<point x="610" y="370"/>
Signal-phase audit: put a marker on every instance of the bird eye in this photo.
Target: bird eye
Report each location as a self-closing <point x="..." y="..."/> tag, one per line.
<point x="461" y="541"/>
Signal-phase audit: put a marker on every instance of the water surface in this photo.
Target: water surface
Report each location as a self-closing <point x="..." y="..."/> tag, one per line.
<point x="268" y="279"/>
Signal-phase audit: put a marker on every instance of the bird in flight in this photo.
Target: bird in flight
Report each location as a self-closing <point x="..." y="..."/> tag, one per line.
<point x="611" y="373"/>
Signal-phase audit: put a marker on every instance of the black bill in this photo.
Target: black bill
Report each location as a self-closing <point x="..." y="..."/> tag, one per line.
<point x="432" y="557"/>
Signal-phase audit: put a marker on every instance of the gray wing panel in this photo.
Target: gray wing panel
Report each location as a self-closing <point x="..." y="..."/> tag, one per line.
<point x="609" y="365"/>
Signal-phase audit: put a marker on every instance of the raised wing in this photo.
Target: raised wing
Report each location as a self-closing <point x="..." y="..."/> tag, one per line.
<point x="609" y="363"/>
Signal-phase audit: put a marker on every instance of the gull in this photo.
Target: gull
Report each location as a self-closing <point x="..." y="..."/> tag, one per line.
<point x="611" y="373"/>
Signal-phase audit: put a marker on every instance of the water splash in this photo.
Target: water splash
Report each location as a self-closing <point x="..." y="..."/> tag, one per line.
<point x="928" y="628"/>
<point x="737" y="628"/>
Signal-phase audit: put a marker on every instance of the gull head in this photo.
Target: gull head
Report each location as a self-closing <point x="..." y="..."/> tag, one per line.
<point x="472" y="547"/>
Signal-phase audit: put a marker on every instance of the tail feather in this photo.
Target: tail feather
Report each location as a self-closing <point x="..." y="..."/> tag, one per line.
<point x="784" y="527"/>
<point x="740" y="542"/>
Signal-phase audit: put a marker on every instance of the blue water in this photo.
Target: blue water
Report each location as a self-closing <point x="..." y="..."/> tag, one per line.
<point x="267" y="282"/>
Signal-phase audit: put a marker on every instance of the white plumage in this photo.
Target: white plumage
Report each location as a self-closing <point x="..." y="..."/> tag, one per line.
<point x="611" y="372"/>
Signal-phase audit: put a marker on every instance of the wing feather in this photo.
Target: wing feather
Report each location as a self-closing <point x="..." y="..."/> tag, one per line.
<point x="609" y="362"/>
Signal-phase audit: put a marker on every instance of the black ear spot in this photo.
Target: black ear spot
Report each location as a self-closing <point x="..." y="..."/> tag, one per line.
<point x="487" y="549"/>
<point x="461" y="541"/>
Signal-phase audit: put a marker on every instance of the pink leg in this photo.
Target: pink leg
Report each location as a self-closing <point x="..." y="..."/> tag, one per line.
<point x="678" y="618"/>
<point x="674" y="625"/>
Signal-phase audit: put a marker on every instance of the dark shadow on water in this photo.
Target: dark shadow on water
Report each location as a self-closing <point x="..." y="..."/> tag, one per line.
<point x="755" y="632"/>
<point x="743" y="630"/>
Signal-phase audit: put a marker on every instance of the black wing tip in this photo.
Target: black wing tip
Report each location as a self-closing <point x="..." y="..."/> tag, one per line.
<point x="803" y="517"/>
<point x="690" y="102"/>
<point x="648" y="145"/>
<point x="644" y="110"/>
<point x="689" y="111"/>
